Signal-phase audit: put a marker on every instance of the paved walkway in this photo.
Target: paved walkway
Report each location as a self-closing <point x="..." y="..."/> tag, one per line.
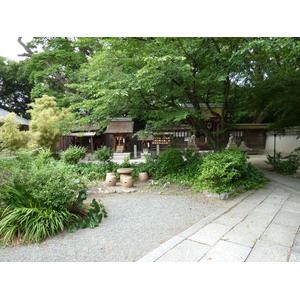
<point x="261" y="226"/>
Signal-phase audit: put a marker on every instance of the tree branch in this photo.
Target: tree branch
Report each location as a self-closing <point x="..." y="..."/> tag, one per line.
<point x="27" y="49"/>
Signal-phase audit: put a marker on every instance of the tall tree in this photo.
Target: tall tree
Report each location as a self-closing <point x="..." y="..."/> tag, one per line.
<point x="53" y="62"/>
<point x="272" y="93"/>
<point x="167" y="80"/>
<point x="14" y="87"/>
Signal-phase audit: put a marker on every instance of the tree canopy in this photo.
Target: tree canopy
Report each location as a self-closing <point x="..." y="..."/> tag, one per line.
<point x="169" y="80"/>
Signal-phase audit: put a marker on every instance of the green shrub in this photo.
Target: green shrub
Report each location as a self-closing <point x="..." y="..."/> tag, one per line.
<point x="104" y="154"/>
<point x="38" y="200"/>
<point x="168" y="162"/>
<point x="284" y="164"/>
<point x="93" y="171"/>
<point x="73" y="154"/>
<point x="226" y="170"/>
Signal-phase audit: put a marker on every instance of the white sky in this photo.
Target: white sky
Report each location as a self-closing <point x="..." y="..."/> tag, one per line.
<point x="155" y="18"/>
<point x="10" y="48"/>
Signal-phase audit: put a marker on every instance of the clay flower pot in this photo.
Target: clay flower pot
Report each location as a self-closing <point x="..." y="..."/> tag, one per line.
<point x="143" y="177"/>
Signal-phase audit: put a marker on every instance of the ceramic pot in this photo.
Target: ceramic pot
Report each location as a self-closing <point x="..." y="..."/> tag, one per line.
<point x="143" y="177"/>
<point x="109" y="174"/>
<point x="122" y="176"/>
<point x="111" y="180"/>
<point x="127" y="181"/>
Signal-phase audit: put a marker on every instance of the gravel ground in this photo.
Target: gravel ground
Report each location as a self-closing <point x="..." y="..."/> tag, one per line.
<point x="136" y="224"/>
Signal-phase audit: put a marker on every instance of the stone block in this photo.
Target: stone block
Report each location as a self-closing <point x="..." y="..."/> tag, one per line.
<point x="244" y="234"/>
<point x="295" y="257"/>
<point x="291" y="206"/>
<point x="187" y="251"/>
<point x="296" y="246"/>
<point x="229" y="219"/>
<point x="210" y="234"/>
<point x="287" y="218"/>
<point x="294" y="198"/>
<point x="267" y="207"/>
<point x="161" y="250"/>
<point x="265" y="251"/>
<point x="276" y="199"/>
<point x="279" y="234"/>
<point x="259" y="219"/>
<point x="225" y="251"/>
<point x="197" y="226"/>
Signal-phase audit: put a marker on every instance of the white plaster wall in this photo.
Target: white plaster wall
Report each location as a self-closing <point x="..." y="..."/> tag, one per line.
<point x="284" y="144"/>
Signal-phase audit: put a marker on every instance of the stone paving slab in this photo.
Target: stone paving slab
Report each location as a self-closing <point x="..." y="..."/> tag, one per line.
<point x="265" y="251"/>
<point x="295" y="257"/>
<point x="287" y="218"/>
<point x="162" y="249"/>
<point x="244" y="234"/>
<point x="280" y="234"/>
<point x="225" y="251"/>
<point x="268" y="208"/>
<point x="194" y="228"/>
<point x="294" y="198"/>
<point x="296" y="245"/>
<point x="291" y="206"/>
<point x="210" y="234"/>
<point x="276" y="199"/>
<point x="229" y="220"/>
<point x="187" y="251"/>
<point x="258" y="219"/>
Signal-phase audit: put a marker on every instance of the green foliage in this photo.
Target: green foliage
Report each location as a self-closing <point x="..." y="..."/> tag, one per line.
<point x="46" y="117"/>
<point x="31" y="225"/>
<point x="170" y="73"/>
<point x="15" y="87"/>
<point x="92" y="219"/>
<point x="104" y="154"/>
<point x="227" y="170"/>
<point x="284" y="164"/>
<point x="93" y="171"/>
<point x="170" y="161"/>
<point x="11" y="138"/>
<point x="126" y="163"/>
<point x="73" y="154"/>
<point x="39" y="197"/>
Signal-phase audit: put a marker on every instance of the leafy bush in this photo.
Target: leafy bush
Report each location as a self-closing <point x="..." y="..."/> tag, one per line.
<point x="284" y="164"/>
<point x="73" y="154"/>
<point x="93" y="217"/>
<point x="104" y="154"/>
<point x="39" y="200"/>
<point x="93" y="171"/>
<point x="226" y="170"/>
<point x="167" y="162"/>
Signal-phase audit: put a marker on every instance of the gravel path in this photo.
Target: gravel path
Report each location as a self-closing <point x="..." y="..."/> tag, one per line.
<point x="136" y="224"/>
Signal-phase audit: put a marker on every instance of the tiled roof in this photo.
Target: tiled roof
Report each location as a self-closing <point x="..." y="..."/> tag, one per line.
<point x="121" y="125"/>
<point x="22" y="121"/>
